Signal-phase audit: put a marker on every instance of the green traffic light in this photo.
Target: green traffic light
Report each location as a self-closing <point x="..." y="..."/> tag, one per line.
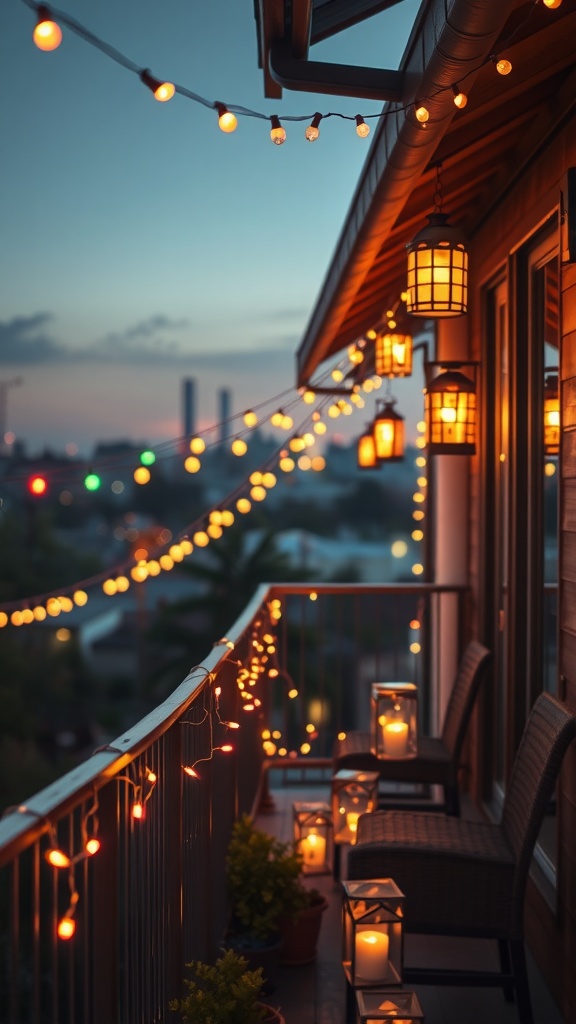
<point x="147" y="458"/>
<point x="92" y="482"/>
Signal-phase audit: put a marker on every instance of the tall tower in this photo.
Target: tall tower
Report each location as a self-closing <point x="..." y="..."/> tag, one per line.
<point x="188" y="406"/>
<point x="224" y="407"/>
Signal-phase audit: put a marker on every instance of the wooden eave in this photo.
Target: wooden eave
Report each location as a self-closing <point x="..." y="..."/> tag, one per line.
<point x="482" y="149"/>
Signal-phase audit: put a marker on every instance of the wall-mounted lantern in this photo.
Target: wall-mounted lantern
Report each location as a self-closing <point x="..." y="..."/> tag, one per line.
<point x="551" y="415"/>
<point x="393" y="354"/>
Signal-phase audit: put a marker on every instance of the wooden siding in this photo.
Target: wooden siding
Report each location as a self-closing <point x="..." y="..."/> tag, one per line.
<point x="551" y="933"/>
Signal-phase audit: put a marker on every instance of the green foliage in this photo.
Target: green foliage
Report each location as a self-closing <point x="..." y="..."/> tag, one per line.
<point x="225" y="993"/>
<point x="263" y="878"/>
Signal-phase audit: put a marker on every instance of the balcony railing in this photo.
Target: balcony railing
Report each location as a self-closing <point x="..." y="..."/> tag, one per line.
<point x="153" y="897"/>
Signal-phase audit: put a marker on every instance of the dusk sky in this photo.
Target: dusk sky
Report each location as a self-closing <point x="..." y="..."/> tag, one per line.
<point x="138" y="243"/>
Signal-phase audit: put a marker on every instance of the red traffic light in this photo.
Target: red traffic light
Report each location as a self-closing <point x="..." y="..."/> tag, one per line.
<point x="37" y="485"/>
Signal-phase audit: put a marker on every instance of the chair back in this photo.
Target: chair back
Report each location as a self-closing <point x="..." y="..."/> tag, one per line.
<point x="547" y="735"/>
<point x="463" y="696"/>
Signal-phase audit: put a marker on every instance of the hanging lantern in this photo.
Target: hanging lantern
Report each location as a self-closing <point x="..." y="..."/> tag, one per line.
<point x="450" y="412"/>
<point x="372" y="917"/>
<point x="393" y="355"/>
<point x="366" y="451"/>
<point x="437" y="266"/>
<point x="388" y="432"/>
<point x="551" y="415"/>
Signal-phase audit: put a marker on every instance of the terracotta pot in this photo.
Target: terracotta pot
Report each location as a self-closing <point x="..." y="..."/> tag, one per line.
<point x="259" y="954"/>
<point x="300" y="935"/>
<point x="274" y="1016"/>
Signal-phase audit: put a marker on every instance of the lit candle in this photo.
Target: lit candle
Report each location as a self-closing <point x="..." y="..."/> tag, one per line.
<point x="352" y="820"/>
<point x="313" y="849"/>
<point x="371" y="956"/>
<point x="396" y="739"/>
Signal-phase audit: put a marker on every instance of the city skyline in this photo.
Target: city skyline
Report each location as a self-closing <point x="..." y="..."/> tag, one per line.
<point x="140" y="244"/>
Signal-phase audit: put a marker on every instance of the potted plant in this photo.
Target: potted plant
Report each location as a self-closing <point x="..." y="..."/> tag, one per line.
<point x="300" y="931"/>
<point x="267" y="896"/>
<point x="224" y="993"/>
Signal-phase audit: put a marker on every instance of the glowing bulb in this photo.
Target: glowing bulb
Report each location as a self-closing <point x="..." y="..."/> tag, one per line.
<point x="460" y="98"/>
<point x="57" y="858"/>
<point x="201" y="539"/>
<point x="227" y="122"/>
<point x="197" y="445"/>
<point x="243" y="505"/>
<point x="422" y="113"/>
<point x="503" y="66"/>
<point x="141" y="475"/>
<point x="552" y="4"/>
<point x="138" y="810"/>
<point x="92" y="846"/>
<point x="312" y="132"/>
<point x="191" y="771"/>
<point x="163" y="91"/>
<point x="80" y="598"/>
<point x="277" y="132"/>
<point x="239" y="447"/>
<point x="192" y="464"/>
<point x="250" y="418"/>
<point x="47" y="34"/>
<point x="66" y="928"/>
<point x="362" y="129"/>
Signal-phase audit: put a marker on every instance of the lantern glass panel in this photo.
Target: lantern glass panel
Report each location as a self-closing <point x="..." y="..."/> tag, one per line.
<point x="398" y="1005"/>
<point x="394" y="720"/>
<point x="353" y="793"/>
<point x="372" y="917"/>
<point x="313" y="836"/>
<point x="393" y="355"/>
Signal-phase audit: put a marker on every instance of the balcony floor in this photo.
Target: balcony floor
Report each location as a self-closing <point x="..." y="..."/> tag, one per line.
<point x="316" y="994"/>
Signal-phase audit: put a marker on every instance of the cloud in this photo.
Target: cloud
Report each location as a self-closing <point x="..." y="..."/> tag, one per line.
<point x="28" y="341"/>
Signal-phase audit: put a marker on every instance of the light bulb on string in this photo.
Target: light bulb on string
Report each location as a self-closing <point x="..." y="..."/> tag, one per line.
<point x="460" y="98"/>
<point x="227" y="121"/>
<point x="552" y="4"/>
<point x="163" y="91"/>
<point x="47" y="34"/>
<point x="362" y="129"/>
<point x="503" y="65"/>
<point x="312" y="132"/>
<point x="277" y="132"/>
<point x="421" y="112"/>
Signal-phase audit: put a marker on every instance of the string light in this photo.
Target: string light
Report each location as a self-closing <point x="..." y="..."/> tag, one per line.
<point x="277" y="132"/>
<point x="312" y="132"/>
<point x="460" y="98"/>
<point x="163" y="91"/>
<point x="503" y="65"/>
<point x="362" y="129"/>
<point x="421" y="112"/>
<point x="227" y="121"/>
<point x="47" y="34"/>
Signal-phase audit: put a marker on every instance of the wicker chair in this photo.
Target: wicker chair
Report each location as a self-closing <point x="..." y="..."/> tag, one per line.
<point x="438" y="758"/>
<point x="468" y="878"/>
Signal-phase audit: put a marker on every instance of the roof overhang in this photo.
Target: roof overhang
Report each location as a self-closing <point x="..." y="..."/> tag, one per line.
<point x="481" y="149"/>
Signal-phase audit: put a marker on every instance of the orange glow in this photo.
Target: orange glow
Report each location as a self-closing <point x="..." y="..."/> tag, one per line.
<point x="47" y="34"/>
<point x="57" y="858"/>
<point x="37" y="485"/>
<point x="80" y="598"/>
<point x="92" y="846"/>
<point x="142" y="475"/>
<point x="191" y="771"/>
<point x="66" y="928"/>
<point x="192" y="464"/>
<point x="138" y="810"/>
<point x="227" y="748"/>
<point x="227" y="122"/>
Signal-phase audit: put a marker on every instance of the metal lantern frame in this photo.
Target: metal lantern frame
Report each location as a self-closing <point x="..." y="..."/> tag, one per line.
<point x="397" y="1005"/>
<point x="394" y="721"/>
<point x="450" y="407"/>
<point x="373" y="908"/>
<point x="353" y="793"/>
<point x="551" y="412"/>
<point x="393" y="354"/>
<point x="313" y="819"/>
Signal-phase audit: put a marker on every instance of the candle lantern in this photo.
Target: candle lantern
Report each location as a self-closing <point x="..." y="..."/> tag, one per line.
<point x="372" y="915"/>
<point x="400" y="1006"/>
<point x="394" y="720"/>
<point x="313" y="836"/>
<point x="450" y="410"/>
<point x="353" y="793"/>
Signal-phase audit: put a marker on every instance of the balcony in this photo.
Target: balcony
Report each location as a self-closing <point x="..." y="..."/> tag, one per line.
<point x="295" y="667"/>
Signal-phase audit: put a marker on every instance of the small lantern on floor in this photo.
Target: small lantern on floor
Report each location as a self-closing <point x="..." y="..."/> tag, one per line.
<point x="397" y="1005"/>
<point x="372" y="915"/>
<point x="551" y="415"/>
<point x="393" y="355"/>
<point x="353" y="793"/>
<point x="388" y="431"/>
<point x="450" y="410"/>
<point x="394" y="720"/>
<point x="313" y="837"/>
